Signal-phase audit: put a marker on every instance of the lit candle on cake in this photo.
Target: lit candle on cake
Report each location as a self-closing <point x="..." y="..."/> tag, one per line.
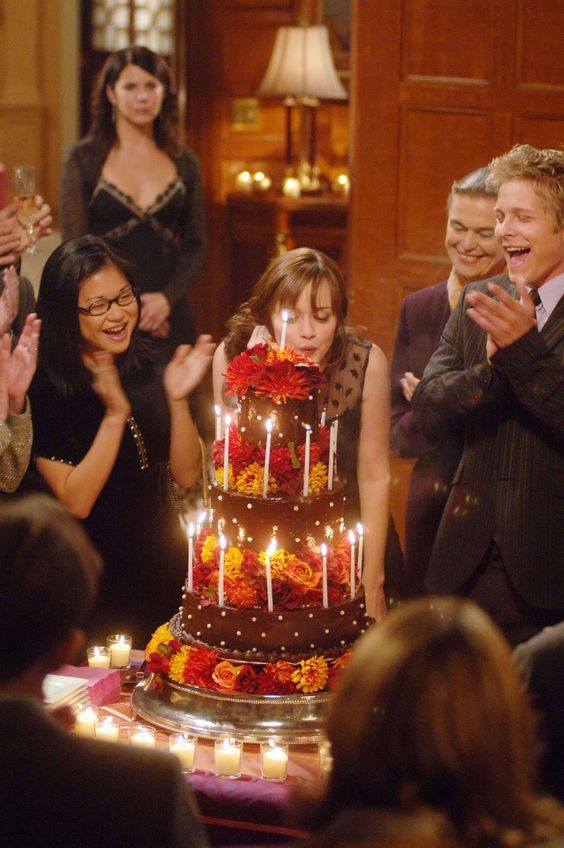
<point x="202" y="519"/>
<point x="285" y="316"/>
<point x="352" y="540"/>
<point x="217" y="422"/>
<point x="307" y="461"/>
<point x="267" y="457"/>
<point x="268" y="571"/>
<point x="221" y="578"/>
<point x="332" y="454"/>
<point x="190" y="582"/>
<point x="324" y="576"/>
<point x="226" y="454"/>
<point x="98" y="657"/>
<point x="85" y="721"/>
<point x="323" y="417"/>
<point x="360" y="531"/>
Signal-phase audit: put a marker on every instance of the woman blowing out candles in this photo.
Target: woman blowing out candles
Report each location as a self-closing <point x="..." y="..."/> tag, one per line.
<point x="98" y="443"/>
<point x="308" y="287"/>
<point x="133" y="183"/>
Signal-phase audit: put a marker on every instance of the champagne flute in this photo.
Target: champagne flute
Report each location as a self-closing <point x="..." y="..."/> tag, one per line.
<point x="24" y="184"/>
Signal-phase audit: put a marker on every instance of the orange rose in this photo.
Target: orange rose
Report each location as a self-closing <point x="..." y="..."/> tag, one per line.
<point x="225" y="676"/>
<point x="301" y="573"/>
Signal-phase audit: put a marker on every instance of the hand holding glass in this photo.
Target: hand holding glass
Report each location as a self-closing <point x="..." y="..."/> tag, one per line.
<point x="24" y="185"/>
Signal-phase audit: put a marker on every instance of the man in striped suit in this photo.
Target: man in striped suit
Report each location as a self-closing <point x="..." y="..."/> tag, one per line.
<point x="499" y="372"/>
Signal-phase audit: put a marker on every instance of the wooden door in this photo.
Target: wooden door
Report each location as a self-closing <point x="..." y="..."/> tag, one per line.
<point x="438" y="88"/>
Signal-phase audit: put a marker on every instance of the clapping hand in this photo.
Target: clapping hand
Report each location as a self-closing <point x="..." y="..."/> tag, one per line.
<point x="409" y="383"/>
<point x="187" y="368"/>
<point x="9" y="299"/>
<point x="17" y="367"/>
<point x="107" y="385"/>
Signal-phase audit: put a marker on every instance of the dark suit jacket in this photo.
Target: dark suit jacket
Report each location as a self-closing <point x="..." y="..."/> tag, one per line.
<point x="541" y="664"/>
<point x="510" y="481"/>
<point x="60" y="790"/>
<point x="422" y="318"/>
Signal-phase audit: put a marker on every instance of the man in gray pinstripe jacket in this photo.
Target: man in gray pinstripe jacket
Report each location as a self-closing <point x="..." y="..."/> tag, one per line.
<point x="499" y="374"/>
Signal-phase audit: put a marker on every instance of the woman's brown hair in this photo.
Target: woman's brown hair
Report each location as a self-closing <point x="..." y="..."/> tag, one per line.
<point x="166" y="124"/>
<point x="281" y="285"/>
<point x="431" y="713"/>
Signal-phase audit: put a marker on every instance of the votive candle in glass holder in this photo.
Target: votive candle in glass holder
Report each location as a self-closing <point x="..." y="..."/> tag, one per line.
<point x="85" y="721"/>
<point x="107" y="728"/>
<point x="274" y="759"/>
<point x="142" y="736"/>
<point x="228" y="755"/>
<point x="119" y="646"/>
<point x="183" y="745"/>
<point x="98" y="657"/>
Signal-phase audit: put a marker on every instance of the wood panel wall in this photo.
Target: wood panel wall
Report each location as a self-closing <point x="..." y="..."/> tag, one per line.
<point x="438" y="89"/>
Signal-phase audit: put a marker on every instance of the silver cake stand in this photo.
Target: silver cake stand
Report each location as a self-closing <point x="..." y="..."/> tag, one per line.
<point x="296" y="718"/>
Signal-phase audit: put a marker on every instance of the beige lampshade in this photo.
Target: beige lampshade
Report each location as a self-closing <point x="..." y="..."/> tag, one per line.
<point x="301" y="65"/>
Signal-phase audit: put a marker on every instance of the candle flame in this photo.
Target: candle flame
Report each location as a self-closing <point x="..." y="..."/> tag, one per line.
<point x="222" y="542"/>
<point x="285" y="315"/>
<point x="202" y="516"/>
<point x="268" y="425"/>
<point x="272" y="547"/>
<point x="191" y="530"/>
<point x="217" y="409"/>
<point x="352" y="537"/>
<point x="360" y="529"/>
<point x="324" y="550"/>
<point x="227" y="420"/>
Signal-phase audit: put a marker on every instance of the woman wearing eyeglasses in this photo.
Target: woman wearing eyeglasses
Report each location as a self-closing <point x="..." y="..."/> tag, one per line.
<point x="98" y="443"/>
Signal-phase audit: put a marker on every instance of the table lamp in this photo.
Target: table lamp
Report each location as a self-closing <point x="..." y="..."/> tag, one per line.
<point x="302" y="71"/>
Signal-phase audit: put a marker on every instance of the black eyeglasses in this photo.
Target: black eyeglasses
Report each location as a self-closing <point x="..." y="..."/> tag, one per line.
<point x="104" y="304"/>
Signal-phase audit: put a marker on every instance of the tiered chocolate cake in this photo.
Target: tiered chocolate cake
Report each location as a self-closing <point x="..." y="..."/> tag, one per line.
<point x="273" y="600"/>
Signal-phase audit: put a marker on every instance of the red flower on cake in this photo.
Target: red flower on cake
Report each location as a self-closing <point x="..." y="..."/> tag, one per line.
<point x="200" y="667"/>
<point x="314" y="455"/>
<point x="274" y="373"/>
<point x="246" y="680"/>
<point x="281" y="461"/>
<point x="284" y="595"/>
<point x="158" y="663"/>
<point x="250" y="563"/>
<point x="283" y="381"/>
<point x="241" y="593"/>
<point x="243" y="371"/>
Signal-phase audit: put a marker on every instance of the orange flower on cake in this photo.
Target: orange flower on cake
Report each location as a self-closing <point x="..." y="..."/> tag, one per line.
<point x="311" y="675"/>
<point x="301" y="574"/>
<point x="225" y="676"/>
<point x="241" y="593"/>
<point x="208" y="549"/>
<point x="278" y="563"/>
<point x="233" y="563"/>
<point x="162" y="635"/>
<point x="251" y="480"/>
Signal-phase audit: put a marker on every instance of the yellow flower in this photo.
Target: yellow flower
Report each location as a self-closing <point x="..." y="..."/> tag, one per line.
<point x="233" y="562"/>
<point x="208" y="549"/>
<point x="251" y="480"/>
<point x="311" y="675"/>
<point x="161" y="634"/>
<point x="219" y="477"/>
<point x="278" y="562"/>
<point x="317" y="477"/>
<point x="178" y="664"/>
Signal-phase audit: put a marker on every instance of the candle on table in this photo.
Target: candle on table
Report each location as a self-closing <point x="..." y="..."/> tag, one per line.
<point x="85" y="721"/>
<point x="183" y="745"/>
<point x="307" y="461"/>
<point x="190" y="583"/>
<point x="291" y="187"/>
<point x="267" y="457"/>
<point x="217" y="410"/>
<point x="221" y="579"/>
<point x="228" y="757"/>
<point x="107" y="728"/>
<point x="226" y="454"/>
<point x="352" y="541"/>
<point x="274" y="759"/>
<point x="285" y="317"/>
<point x="269" y="552"/>
<point x="98" y="657"/>
<point x="324" y="576"/>
<point x="119" y="647"/>
<point x="360" y="531"/>
<point x="142" y="736"/>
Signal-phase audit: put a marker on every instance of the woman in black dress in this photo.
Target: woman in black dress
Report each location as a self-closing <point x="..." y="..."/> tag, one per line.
<point x="131" y="182"/>
<point x="98" y="443"/>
